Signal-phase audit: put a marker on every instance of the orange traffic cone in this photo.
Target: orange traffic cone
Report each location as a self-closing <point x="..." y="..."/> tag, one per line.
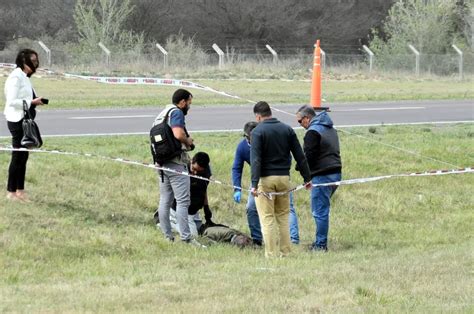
<point x="316" y="80"/>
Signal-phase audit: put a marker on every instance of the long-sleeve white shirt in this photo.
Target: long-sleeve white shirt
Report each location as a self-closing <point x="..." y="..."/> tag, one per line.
<point x="17" y="88"/>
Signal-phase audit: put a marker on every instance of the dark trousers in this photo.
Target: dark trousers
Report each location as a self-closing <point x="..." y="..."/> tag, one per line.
<point x="17" y="169"/>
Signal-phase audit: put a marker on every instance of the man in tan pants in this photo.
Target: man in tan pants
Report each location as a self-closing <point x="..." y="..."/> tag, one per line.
<point x="272" y="143"/>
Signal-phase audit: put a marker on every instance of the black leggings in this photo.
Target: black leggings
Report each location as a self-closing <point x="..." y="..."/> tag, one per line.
<point x="17" y="170"/>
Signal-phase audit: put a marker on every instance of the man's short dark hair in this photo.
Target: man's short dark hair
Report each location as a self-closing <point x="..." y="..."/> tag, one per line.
<point x="262" y="108"/>
<point x="202" y="159"/>
<point x="306" y="111"/>
<point x="24" y="56"/>
<point x="181" y="94"/>
<point x="248" y="127"/>
<point x="241" y="241"/>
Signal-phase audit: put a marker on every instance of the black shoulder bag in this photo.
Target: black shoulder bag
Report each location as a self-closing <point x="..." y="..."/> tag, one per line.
<point x="31" y="134"/>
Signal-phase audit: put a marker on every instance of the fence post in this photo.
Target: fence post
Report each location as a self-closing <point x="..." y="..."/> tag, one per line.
<point x="323" y="59"/>
<point x="371" y="56"/>
<point x="107" y="53"/>
<point x="165" y="55"/>
<point x="417" y="59"/>
<point x="47" y="50"/>
<point x="220" y="53"/>
<point x="273" y="52"/>
<point x="461" y="70"/>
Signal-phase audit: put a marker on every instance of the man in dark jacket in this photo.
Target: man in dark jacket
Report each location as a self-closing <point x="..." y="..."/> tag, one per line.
<point x="242" y="156"/>
<point x="321" y="147"/>
<point x="272" y="142"/>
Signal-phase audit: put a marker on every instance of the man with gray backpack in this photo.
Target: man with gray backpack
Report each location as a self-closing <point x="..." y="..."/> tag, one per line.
<point x="170" y="143"/>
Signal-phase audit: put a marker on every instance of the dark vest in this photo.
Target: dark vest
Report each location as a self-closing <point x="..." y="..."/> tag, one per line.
<point x="328" y="156"/>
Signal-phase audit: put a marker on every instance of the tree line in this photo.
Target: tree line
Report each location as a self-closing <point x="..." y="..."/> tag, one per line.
<point x="284" y="23"/>
<point x="342" y="25"/>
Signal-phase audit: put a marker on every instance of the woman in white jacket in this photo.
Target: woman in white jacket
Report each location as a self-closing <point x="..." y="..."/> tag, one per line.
<point x="18" y="88"/>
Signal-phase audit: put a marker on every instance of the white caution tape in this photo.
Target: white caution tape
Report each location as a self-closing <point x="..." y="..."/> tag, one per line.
<point x="269" y="194"/>
<point x="152" y="81"/>
<point x="138" y="81"/>
<point x="7" y="65"/>
<point x="121" y="160"/>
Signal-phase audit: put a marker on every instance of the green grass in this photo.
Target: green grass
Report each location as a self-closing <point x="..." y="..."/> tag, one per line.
<point x="87" y="242"/>
<point x="76" y="93"/>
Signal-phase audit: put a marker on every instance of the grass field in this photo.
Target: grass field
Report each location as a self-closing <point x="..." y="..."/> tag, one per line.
<point x="88" y="244"/>
<point x="76" y="93"/>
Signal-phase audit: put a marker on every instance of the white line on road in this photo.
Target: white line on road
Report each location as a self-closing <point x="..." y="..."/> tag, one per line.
<point x="378" y="109"/>
<point x="112" y="117"/>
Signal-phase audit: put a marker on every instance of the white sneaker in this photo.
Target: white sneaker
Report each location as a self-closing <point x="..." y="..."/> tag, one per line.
<point x="196" y="243"/>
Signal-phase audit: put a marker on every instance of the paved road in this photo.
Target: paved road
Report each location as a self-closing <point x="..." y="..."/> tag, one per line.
<point x="213" y="118"/>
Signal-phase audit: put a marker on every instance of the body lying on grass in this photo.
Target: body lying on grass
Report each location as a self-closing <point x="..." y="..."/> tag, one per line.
<point x="222" y="233"/>
<point x="214" y="233"/>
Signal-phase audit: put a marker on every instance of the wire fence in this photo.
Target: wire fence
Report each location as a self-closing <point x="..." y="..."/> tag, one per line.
<point x="260" y="63"/>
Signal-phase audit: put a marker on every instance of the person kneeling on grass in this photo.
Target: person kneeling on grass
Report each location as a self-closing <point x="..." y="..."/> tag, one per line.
<point x="198" y="190"/>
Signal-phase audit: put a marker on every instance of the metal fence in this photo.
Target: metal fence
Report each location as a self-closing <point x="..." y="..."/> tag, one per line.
<point x="252" y="64"/>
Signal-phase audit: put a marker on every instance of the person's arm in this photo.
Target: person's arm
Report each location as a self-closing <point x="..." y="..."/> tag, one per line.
<point x="176" y="122"/>
<point x="238" y="166"/>
<point x="12" y="89"/>
<point x="311" y="145"/>
<point x="181" y="136"/>
<point x="299" y="157"/>
<point x="207" y="210"/>
<point x="256" y="158"/>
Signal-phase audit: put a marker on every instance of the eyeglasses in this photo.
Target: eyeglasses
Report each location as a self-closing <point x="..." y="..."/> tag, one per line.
<point x="300" y="120"/>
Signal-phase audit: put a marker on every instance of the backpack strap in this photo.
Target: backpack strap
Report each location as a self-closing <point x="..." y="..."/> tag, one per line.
<point x="165" y="120"/>
<point x="168" y="113"/>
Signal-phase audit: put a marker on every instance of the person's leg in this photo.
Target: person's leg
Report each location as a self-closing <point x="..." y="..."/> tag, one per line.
<point x="194" y="222"/>
<point x="16" y="131"/>
<point x="174" y="221"/>
<point x="320" y="205"/>
<point x="20" y="184"/>
<point x="181" y="187"/>
<point x="13" y="171"/>
<point x="253" y="220"/>
<point x="265" y="208"/>
<point x="282" y="212"/>
<point x="293" y="220"/>
<point x="164" y="207"/>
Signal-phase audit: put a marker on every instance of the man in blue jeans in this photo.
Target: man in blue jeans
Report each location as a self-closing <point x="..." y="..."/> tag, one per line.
<point x="321" y="147"/>
<point x="242" y="155"/>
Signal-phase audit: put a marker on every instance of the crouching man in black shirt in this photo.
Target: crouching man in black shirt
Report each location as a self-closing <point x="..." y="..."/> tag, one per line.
<point x="198" y="190"/>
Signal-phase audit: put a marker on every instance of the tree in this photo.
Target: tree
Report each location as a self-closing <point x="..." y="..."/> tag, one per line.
<point x="35" y="19"/>
<point x="150" y="17"/>
<point x="283" y="23"/>
<point x="428" y="25"/>
<point x="102" y="21"/>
